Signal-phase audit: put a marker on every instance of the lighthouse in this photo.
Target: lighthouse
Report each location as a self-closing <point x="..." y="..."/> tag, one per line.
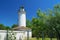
<point x="22" y="32"/>
<point x="21" y="17"/>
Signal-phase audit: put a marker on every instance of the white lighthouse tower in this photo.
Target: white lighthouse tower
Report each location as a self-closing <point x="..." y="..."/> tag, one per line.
<point x="22" y="32"/>
<point x="22" y="17"/>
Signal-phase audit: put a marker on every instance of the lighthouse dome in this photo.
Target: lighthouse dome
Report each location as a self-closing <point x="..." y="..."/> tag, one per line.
<point x="21" y="9"/>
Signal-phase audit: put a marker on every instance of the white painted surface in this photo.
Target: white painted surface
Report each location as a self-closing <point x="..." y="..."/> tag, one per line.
<point x="18" y="34"/>
<point x="30" y="34"/>
<point x="2" y="36"/>
<point x="22" y="18"/>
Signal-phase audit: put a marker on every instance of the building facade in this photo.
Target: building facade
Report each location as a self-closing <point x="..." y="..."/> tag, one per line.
<point x="19" y="33"/>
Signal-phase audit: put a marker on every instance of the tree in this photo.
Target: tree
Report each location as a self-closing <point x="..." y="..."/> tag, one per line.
<point x="3" y="27"/>
<point x="54" y="21"/>
<point x="28" y="23"/>
<point x="14" y="25"/>
<point x="38" y="24"/>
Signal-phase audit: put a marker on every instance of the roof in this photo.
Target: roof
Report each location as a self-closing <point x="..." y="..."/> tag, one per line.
<point x="21" y="28"/>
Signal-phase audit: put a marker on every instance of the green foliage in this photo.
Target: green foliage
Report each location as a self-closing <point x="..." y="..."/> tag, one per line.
<point x="3" y="27"/>
<point x="11" y="35"/>
<point x="44" y="39"/>
<point x="28" y="23"/>
<point x="47" y="23"/>
<point x="14" y="25"/>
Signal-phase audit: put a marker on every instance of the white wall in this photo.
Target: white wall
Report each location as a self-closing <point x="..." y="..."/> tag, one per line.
<point x="2" y="34"/>
<point x="19" y="34"/>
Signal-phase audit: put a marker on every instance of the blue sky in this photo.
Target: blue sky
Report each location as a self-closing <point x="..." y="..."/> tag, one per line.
<point x="9" y="9"/>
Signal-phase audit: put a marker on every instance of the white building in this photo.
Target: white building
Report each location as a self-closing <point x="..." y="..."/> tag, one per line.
<point x="19" y="33"/>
